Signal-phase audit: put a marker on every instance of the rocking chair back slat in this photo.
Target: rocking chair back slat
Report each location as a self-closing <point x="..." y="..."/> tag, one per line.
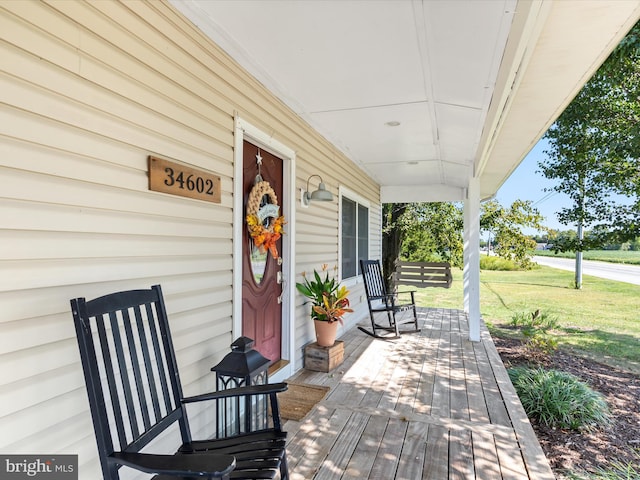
<point x="137" y="367"/>
<point x="124" y="370"/>
<point x="148" y="368"/>
<point x="374" y="281"/>
<point x="107" y="366"/>
<point x="164" y="382"/>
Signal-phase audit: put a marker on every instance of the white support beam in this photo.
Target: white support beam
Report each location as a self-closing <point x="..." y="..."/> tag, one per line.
<point x="472" y="254"/>
<point x="465" y="256"/>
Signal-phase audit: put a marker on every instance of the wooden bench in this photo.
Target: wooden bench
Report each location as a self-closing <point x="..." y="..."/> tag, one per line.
<point x="423" y="274"/>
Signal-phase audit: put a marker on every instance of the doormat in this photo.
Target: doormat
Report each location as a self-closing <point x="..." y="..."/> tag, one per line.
<point x="299" y="399"/>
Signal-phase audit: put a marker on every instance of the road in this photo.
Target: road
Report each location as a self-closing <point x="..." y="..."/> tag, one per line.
<point x="610" y="271"/>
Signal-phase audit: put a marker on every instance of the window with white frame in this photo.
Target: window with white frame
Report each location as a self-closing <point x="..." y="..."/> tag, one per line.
<point x="354" y="225"/>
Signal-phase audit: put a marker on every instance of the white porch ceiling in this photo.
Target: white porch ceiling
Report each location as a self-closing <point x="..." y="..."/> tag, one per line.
<point x="473" y="83"/>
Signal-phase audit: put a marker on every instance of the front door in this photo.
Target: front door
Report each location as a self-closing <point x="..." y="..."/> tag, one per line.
<point x="262" y="264"/>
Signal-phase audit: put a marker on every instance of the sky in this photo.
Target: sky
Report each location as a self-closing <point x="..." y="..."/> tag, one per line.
<point x="527" y="184"/>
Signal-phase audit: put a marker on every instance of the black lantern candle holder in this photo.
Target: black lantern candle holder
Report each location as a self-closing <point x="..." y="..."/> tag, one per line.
<point x="244" y="366"/>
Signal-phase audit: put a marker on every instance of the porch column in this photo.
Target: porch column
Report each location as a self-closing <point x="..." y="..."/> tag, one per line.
<point x="465" y="257"/>
<point x="472" y="257"/>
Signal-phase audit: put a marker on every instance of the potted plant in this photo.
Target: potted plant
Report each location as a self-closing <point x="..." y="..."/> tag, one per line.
<point x="329" y="303"/>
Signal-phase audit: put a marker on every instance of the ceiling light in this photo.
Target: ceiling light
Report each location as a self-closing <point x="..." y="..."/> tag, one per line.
<point x="393" y="123"/>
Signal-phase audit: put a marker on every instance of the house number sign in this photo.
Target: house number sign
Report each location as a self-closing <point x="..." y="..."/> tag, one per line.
<point x="177" y="179"/>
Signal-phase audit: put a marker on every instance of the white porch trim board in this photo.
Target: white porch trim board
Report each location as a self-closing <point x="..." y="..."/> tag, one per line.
<point x="465" y="257"/>
<point x="472" y="258"/>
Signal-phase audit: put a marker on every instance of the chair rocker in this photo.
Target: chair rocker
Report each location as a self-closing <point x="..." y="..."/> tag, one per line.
<point x="135" y="395"/>
<point x="380" y="301"/>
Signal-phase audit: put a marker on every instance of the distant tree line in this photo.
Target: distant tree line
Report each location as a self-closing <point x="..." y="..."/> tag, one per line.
<point x="559" y="239"/>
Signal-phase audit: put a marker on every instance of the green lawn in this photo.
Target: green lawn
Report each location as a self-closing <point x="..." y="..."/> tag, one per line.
<point x="613" y="256"/>
<point x="602" y="320"/>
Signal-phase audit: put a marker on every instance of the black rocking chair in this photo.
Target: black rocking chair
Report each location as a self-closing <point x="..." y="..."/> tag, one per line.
<point x="135" y="395"/>
<point x="380" y="301"/>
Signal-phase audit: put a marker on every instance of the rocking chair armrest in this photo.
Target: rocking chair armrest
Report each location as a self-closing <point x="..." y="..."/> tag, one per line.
<point x="403" y="292"/>
<point x="410" y="292"/>
<point x="393" y="297"/>
<point x="239" y="391"/>
<point x="191" y="465"/>
<point x="406" y="291"/>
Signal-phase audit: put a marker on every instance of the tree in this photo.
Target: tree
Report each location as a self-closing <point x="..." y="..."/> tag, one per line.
<point x="505" y="226"/>
<point x="562" y="237"/>
<point x="595" y="152"/>
<point x="436" y="234"/>
<point x="395" y="223"/>
<point x="425" y="232"/>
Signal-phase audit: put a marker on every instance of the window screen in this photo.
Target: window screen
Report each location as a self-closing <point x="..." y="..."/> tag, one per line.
<point x="355" y="236"/>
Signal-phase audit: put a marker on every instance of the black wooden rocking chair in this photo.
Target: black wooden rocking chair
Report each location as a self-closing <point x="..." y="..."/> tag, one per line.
<point x="380" y="301"/>
<point x="135" y="395"/>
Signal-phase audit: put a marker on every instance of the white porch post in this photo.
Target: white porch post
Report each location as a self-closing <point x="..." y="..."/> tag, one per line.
<point x="465" y="257"/>
<point x="472" y="257"/>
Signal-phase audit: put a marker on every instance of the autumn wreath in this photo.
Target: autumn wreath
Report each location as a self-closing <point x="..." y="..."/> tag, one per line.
<point x="263" y="221"/>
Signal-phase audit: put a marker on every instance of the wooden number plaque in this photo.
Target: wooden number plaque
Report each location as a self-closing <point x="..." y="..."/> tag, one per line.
<point x="177" y="179"/>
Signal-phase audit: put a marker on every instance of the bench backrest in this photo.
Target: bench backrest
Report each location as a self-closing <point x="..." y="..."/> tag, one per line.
<point x="130" y="370"/>
<point x="423" y="274"/>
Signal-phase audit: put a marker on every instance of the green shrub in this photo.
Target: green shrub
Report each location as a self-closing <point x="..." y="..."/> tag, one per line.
<point x="520" y="319"/>
<point x="558" y="399"/>
<point x="535" y="328"/>
<point x="619" y="471"/>
<point x="534" y="321"/>
<point x="497" y="263"/>
<point x="541" y="345"/>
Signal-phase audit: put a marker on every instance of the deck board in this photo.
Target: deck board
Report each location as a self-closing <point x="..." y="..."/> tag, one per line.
<point x="366" y="451"/>
<point x="413" y="454"/>
<point x="386" y="462"/>
<point x="430" y="405"/>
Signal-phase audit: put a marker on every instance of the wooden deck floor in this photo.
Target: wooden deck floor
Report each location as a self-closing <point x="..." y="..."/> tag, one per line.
<point x="430" y="405"/>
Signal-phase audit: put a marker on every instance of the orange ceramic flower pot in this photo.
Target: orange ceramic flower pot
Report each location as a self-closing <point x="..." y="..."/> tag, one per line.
<point x="326" y="333"/>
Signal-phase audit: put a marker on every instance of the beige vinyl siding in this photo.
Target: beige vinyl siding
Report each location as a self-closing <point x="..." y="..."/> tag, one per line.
<point x="87" y="91"/>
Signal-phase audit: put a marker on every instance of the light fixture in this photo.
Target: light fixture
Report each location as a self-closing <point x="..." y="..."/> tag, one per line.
<point x="321" y="194"/>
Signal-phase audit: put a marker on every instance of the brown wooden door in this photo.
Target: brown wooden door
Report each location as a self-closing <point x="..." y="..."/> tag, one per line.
<point x="261" y="290"/>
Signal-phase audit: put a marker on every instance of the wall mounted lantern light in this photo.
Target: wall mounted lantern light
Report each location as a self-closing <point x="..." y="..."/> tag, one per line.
<point x="321" y="194"/>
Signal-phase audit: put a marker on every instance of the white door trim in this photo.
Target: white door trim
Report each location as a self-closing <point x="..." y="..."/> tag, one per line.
<point x="246" y="131"/>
